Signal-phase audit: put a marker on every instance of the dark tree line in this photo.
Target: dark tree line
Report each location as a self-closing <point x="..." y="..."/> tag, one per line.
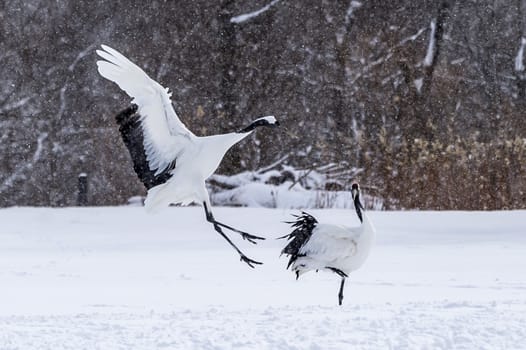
<point x="427" y="97"/>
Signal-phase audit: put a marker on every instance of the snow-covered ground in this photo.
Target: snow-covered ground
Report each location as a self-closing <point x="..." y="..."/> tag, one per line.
<point x="117" y="278"/>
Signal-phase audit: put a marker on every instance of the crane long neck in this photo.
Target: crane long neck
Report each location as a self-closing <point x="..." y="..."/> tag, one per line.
<point x="225" y="141"/>
<point x="358" y="207"/>
<point x="367" y="227"/>
<point x="252" y="126"/>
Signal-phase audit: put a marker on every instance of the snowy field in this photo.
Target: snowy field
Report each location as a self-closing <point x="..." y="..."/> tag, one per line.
<point x="117" y="278"/>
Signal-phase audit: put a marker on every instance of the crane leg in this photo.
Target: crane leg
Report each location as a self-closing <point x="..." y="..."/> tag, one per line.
<point x="245" y="235"/>
<point x="343" y="275"/>
<point x="244" y="258"/>
<point x="337" y="271"/>
<point x="340" y="294"/>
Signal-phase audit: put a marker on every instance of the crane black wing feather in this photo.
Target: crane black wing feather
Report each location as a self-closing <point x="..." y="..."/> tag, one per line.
<point x="303" y="227"/>
<point x="132" y="135"/>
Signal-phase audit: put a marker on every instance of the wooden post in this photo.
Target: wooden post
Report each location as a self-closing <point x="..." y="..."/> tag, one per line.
<point x="82" y="195"/>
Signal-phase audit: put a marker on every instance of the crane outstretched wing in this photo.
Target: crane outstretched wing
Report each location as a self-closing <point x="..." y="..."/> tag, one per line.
<point x="164" y="135"/>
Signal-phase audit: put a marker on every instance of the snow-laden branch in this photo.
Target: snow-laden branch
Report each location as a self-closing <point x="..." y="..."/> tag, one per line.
<point x="15" y="105"/>
<point x="80" y="56"/>
<point x="428" y="60"/>
<point x="247" y="16"/>
<point x="273" y="165"/>
<point x="519" y="60"/>
<point x="352" y="6"/>
<point x="340" y="34"/>
<point x="412" y="37"/>
<point x="418" y="84"/>
<point x="62" y="107"/>
<point x="19" y="172"/>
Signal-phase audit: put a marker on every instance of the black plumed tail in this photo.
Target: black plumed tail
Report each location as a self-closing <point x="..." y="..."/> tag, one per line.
<point x="132" y="135"/>
<point x="303" y="227"/>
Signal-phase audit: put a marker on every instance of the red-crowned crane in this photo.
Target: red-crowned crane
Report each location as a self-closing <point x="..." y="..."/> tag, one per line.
<point x="169" y="159"/>
<point x="339" y="249"/>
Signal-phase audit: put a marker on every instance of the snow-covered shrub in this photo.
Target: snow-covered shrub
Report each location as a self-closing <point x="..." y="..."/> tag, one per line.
<point x="283" y="186"/>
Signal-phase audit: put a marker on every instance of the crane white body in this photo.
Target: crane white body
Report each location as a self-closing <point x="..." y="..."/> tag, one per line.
<point x="342" y="247"/>
<point x="194" y="165"/>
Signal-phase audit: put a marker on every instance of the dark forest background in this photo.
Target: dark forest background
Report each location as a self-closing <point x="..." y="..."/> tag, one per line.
<point x="427" y="97"/>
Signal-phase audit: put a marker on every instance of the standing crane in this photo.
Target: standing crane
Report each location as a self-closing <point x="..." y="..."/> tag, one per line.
<point x="334" y="248"/>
